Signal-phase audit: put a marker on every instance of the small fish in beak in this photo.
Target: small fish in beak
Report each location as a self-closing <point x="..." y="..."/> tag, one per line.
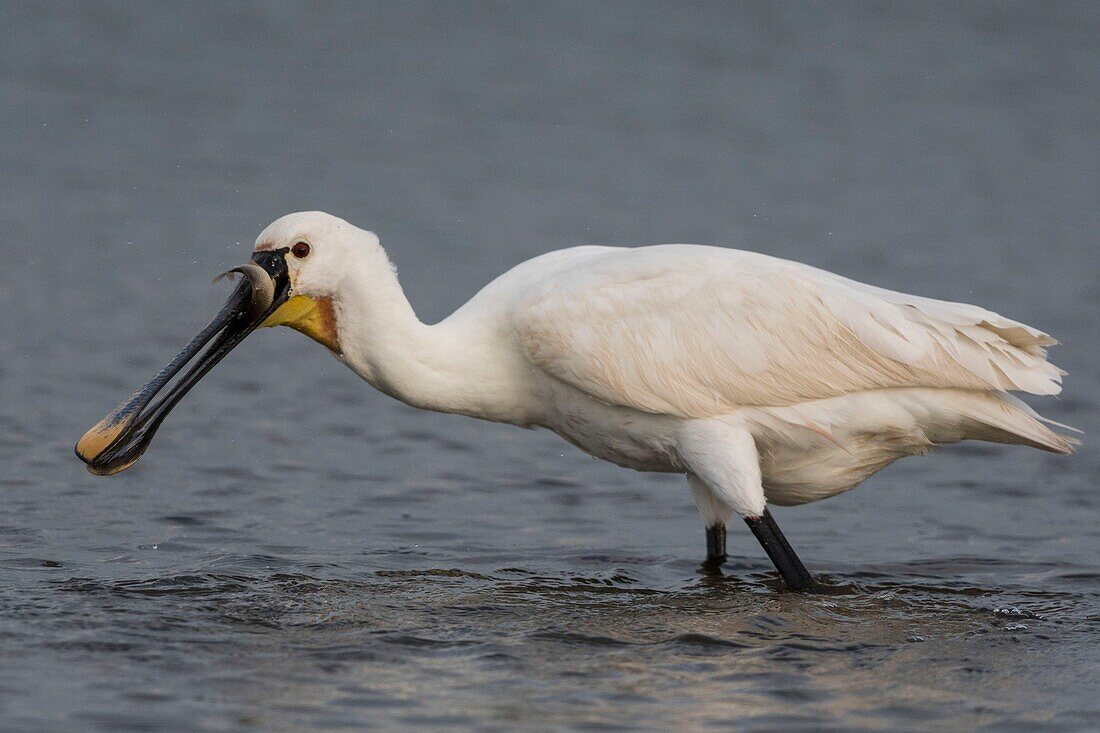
<point x="117" y="441"/>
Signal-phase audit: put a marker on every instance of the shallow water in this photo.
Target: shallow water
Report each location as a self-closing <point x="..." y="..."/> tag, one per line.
<point x="297" y="552"/>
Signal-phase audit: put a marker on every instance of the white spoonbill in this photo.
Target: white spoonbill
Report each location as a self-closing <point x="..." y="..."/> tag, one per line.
<point x="758" y="378"/>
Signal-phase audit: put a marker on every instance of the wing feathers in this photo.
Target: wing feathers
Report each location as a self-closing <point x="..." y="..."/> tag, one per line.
<point x="698" y="331"/>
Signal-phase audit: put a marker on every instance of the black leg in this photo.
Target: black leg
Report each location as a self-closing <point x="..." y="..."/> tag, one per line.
<point x="716" y="543"/>
<point x="779" y="550"/>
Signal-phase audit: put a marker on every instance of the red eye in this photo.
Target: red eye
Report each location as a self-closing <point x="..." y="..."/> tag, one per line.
<point x="300" y="249"/>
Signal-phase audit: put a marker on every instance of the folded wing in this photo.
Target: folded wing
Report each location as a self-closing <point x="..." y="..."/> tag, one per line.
<point x="699" y="331"/>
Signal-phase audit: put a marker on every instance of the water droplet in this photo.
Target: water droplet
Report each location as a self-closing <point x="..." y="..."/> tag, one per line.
<point x="1014" y="612"/>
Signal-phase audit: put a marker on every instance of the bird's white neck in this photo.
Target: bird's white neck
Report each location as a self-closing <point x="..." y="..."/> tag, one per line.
<point x="454" y="366"/>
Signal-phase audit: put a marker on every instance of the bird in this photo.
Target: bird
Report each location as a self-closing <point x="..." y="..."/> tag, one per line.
<point x="762" y="380"/>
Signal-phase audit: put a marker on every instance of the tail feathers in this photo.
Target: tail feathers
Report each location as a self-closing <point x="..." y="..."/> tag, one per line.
<point x="1002" y="418"/>
<point x="1005" y="354"/>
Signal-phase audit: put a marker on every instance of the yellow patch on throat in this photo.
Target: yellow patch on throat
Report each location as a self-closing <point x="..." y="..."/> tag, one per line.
<point x="315" y="317"/>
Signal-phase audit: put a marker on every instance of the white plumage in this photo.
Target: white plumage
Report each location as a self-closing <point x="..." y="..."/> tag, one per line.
<point x="832" y="378"/>
<point x="699" y="331"/>
<point x="759" y="378"/>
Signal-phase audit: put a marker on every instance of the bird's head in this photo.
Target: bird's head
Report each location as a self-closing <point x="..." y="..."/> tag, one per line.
<point x="292" y="279"/>
<point x="311" y="250"/>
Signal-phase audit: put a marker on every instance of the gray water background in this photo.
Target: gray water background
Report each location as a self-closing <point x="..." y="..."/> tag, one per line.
<point x="297" y="552"/>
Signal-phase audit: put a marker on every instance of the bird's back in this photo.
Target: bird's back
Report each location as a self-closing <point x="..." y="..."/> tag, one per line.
<point x="697" y="331"/>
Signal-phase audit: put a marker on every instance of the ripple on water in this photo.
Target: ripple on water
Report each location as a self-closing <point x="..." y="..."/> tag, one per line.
<point x="510" y="627"/>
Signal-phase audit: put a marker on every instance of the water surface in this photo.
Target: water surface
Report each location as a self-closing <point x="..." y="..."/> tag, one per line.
<point x="298" y="552"/>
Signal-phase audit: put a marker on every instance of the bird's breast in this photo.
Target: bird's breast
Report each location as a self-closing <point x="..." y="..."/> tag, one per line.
<point x="619" y="435"/>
